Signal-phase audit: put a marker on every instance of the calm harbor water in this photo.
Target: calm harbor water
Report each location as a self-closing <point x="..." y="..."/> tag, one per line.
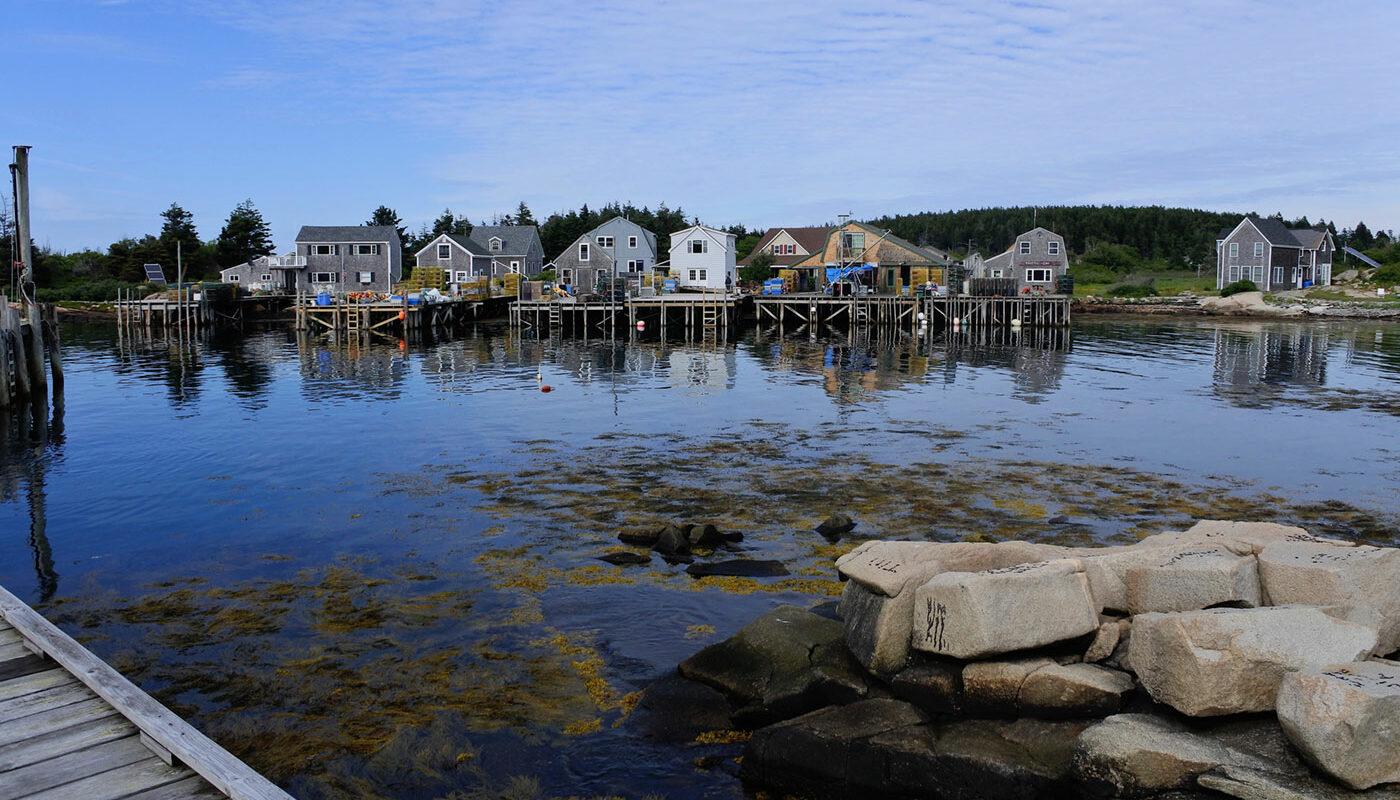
<point x="370" y="569"/>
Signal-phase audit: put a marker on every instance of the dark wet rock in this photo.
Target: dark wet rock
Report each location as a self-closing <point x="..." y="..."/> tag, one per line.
<point x="732" y="537"/>
<point x="1138" y="755"/>
<point x="1258" y="784"/>
<point x="830" y="609"/>
<point x="787" y="662"/>
<point x="672" y="541"/>
<point x="642" y="537"/>
<point x="740" y="568"/>
<point x="934" y="686"/>
<point x="1060" y="519"/>
<point x="704" y="536"/>
<point x="811" y="755"/>
<point x="625" y="558"/>
<point x="888" y="748"/>
<point x="677" y="558"/>
<point x="835" y="525"/>
<point x="674" y="709"/>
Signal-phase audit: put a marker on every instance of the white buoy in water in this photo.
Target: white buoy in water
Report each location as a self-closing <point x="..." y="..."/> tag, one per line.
<point x="1016" y="322"/>
<point x="539" y="375"/>
<point x="922" y="318"/>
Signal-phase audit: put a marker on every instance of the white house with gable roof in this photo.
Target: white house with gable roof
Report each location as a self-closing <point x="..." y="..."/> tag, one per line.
<point x="703" y="258"/>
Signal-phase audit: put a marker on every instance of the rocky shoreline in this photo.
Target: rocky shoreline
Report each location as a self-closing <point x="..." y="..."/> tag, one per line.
<point x="1234" y="659"/>
<point x="1244" y="304"/>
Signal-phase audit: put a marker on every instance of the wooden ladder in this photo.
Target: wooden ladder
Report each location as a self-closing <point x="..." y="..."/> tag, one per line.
<point x="352" y="316"/>
<point x="709" y="313"/>
<point x="555" y="316"/>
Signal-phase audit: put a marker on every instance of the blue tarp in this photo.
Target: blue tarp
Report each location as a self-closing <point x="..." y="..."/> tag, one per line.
<point x="834" y="274"/>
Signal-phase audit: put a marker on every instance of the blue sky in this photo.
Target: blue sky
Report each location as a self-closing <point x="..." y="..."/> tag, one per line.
<point x="738" y="112"/>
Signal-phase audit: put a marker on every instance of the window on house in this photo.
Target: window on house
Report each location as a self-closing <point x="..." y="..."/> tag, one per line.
<point x="323" y="249"/>
<point x="1038" y="276"/>
<point x="853" y="241"/>
<point x="996" y="273"/>
<point x="1025" y="248"/>
<point x="632" y="241"/>
<point x="698" y="275"/>
<point x="1259" y="274"/>
<point x="463" y="276"/>
<point x="566" y="276"/>
<point x="366" y="277"/>
<point x="605" y="241"/>
<point x="366" y="249"/>
<point x="1278" y="275"/>
<point x="233" y="279"/>
<point x="1258" y="249"/>
<point x="636" y="265"/>
<point x="698" y="246"/>
<point x="494" y="245"/>
<point x="1234" y="272"/>
<point x="266" y="276"/>
<point x="1054" y="248"/>
<point x="583" y="251"/>
<point x="1303" y="257"/>
<point x="1234" y="249"/>
<point x="323" y="277"/>
<point x="444" y="252"/>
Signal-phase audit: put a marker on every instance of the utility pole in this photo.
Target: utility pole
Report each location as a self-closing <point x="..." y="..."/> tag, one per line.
<point x="19" y="173"/>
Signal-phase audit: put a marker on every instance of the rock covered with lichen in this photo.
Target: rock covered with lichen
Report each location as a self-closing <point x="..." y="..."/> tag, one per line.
<point x="1025" y="670"/>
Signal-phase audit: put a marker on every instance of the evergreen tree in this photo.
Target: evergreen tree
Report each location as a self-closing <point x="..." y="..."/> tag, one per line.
<point x="447" y="222"/>
<point x="179" y="241"/>
<point x="1361" y="238"/>
<point x="388" y="216"/>
<point x="245" y="236"/>
<point x="523" y="215"/>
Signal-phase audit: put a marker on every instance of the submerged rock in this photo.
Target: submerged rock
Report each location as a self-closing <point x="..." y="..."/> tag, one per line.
<point x="672" y="541"/>
<point x="740" y="568"/>
<point x="835" y="525"/>
<point x="675" y="709"/>
<point x="625" y="558"/>
<point x="787" y="662"/>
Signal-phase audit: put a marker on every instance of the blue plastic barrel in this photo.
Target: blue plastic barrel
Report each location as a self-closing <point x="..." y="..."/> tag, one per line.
<point x="323" y="299"/>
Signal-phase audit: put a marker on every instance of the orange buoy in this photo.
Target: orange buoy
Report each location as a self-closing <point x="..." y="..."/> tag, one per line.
<point x="403" y="315"/>
<point x="546" y="388"/>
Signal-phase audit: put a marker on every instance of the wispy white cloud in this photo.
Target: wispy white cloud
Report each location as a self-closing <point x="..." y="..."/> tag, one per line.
<point x="768" y="113"/>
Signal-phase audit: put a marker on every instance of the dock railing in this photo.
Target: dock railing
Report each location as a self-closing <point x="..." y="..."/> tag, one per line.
<point x="166" y="734"/>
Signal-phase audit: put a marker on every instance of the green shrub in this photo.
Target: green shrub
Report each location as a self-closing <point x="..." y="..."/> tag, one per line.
<point x="1388" y="275"/>
<point x="1132" y="290"/>
<point x="1237" y="287"/>
<point x="1092" y="273"/>
<point x="89" y="291"/>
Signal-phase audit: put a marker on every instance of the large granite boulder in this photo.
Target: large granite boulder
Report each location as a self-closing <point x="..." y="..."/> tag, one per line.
<point x="1135" y="755"/>
<point x="878" y="601"/>
<point x="1320" y="574"/>
<point x="1193" y="578"/>
<point x="978" y="614"/>
<point x="1229" y="661"/>
<point x="785" y="663"/>
<point x="1240" y="537"/>
<point x="1345" y="719"/>
<point x="1074" y="690"/>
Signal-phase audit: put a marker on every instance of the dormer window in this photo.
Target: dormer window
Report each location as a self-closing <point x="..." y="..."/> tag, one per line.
<point x="495" y="244"/>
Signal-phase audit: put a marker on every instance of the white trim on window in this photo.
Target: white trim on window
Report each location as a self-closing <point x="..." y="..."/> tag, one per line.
<point x="323" y="249"/>
<point x="444" y="252"/>
<point x="605" y="241"/>
<point x="1025" y="248"/>
<point x="364" y="249"/>
<point x="632" y="241"/>
<point x="583" y="251"/>
<point x="463" y="276"/>
<point x="323" y="277"/>
<point x="1054" y="248"/>
<point x="1039" y="275"/>
<point x="234" y="278"/>
<point x="698" y="246"/>
<point x="494" y="245"/>
<point x="1234" y="249"/>
<point x="266" y="276"/>
<point x="365" y="277"/>
<point x="1258" y="249"/>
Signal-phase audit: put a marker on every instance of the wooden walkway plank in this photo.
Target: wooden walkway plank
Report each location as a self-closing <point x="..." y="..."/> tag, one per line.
<point x="23" y="666"/>
<point x="54" y="719"/>
<point x="115" y="784"/>
<point x="156" y="722"/>
<point x="34" y="702"/>
<point x="11" y="650"/>
<point x="9" y="635"/>
<point x="192" y="788"/>
<point x="70" y="738"/>
<point x="51" y="678"/>
<point x="53" y="772"/>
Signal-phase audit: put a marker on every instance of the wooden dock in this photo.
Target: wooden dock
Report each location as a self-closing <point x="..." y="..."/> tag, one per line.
<point x="682" y="311"/>
<point x="353" y="316"/>
<point x="937" y="312"/>
<point x="73" y="727"/>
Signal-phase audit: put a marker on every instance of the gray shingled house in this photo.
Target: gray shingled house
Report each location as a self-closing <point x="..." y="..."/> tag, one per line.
<point x="513" y="248"/>
<point x="1035" y="260"/>
<point x="348" y="258"/>
<point x="1273" y="256"/>
<point x="616" y="248"/>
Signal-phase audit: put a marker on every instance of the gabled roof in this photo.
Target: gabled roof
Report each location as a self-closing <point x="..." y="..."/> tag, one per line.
<point x="515" y="239"/>
<point x="719" y="237"/>
<point x="809" y="239"/>
<point x="930" y="254"/>
<point x="461" y="241"/>
<point x="1280" y="235"/>
<point x="348" y="233"/>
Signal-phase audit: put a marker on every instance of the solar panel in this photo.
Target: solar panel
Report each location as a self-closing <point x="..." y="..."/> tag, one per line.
<point x="154" y="274"/>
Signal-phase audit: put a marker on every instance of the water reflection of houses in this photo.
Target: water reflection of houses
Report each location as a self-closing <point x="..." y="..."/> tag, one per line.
<point x="1034" y="357"/>
<point x="332" y="369"/>
<point x="1259" y="355"/>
